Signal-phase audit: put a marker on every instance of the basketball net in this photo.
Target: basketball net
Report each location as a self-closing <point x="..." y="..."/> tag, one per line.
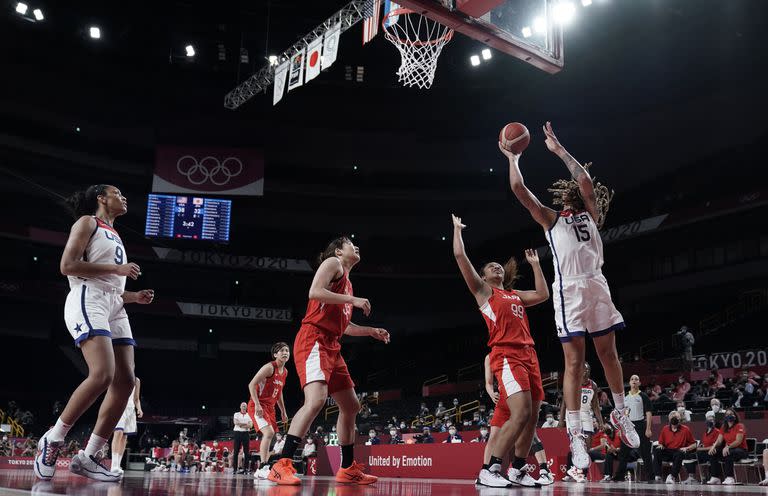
<point x="419" y="41"/>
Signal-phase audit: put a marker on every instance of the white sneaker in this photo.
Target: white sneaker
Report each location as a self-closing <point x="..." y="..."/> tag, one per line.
<point x="690" y="480"/>
<point x="579" y="451"/>
<point x="764" y="482"/>
<point x="117" y="470"/>
<point x="546" y="477"/>
<point x="492" y="478"/>
<point x="45" y="459"/>
<point x="576" y="475"/>
<point x="262" y="473"/>
<point x="606" y="479"/>
<point x="670" y="480"/>
<point x="625" y="428"/>
<point x="714" y="480"/>
<point x="91" y="467"/>
<point x="521" y="477"/>
<point x="729" y="481"/>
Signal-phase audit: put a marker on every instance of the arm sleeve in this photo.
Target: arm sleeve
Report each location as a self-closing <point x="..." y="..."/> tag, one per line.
<point x="646" y="403"/>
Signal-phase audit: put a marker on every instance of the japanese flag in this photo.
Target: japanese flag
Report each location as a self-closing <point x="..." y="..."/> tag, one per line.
<point x="313" y="59"/>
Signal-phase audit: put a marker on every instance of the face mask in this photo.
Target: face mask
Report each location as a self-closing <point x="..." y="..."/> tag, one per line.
<point x="681" y="409"/>
<point x="309" y="441"/>
<point x="674" y="421"/>
<point x="715" y="408"/>
<point x="372" y="434"/>
<point x="402" y="426"/>
<point x="452" y="432"/>
<point x="550" y="419"/>
<point x="393" y="433"/>
<point x="730" y="418"/>
<point x="483" y="433"/>
<point x="681" y="380"/>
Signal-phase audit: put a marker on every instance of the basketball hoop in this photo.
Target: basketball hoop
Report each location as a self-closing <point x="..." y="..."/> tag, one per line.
<point x="419" y="40"/>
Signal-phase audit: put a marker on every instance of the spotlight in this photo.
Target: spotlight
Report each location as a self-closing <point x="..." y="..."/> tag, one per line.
<point x="354" y="168"/>
<point x="443" y="238"/>
<point x="38" y="14"/>
<point x="210" y="331"/>
<point x="273" y="60"/>
<point x="34" y="259"/>
<point x="21" y="8"/>
<point x="540" y="25"/>
<point x="474" y="60"/>
<point x="491" y="169"/>
<point x="563" y="12"/>
<point x="190" y="50"/>
<point x="95" y="32"/>
<point x="486" y="53"/>
<point x="237" y="283"/>
<point x="77" y="129"/>
<point x="586" y="3"/>
<point x="352" y="236"/>
<point x="527" y="33"/>
<point x="203" y="407"/>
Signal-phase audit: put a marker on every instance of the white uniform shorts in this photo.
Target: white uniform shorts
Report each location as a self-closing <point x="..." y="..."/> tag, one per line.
<point x="587" y="424"/>
<point x="583" y="305"/>
<point x="127" y="422"/>
<point x="97" y="310"/>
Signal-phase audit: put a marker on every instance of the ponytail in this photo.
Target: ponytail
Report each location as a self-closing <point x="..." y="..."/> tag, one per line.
<point x="86" y="202"/>
<point x="510" y="274"/>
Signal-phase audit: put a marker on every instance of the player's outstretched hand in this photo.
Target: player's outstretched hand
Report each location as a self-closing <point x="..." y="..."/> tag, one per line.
<point x="551" y="141"/>
<point x="532" y="256"/>
<point x="380" y="334"/>
<point x="139" y="413"/>
<point x="509" y="154"/>
<point x="145" y="296"/>
<point x="457" y="222"/>
<point x="129" y="270"/>
<point x="363" y="304"/>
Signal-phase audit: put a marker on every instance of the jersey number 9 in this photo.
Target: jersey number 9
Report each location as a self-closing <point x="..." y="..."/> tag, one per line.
<point x="118" y="255"/>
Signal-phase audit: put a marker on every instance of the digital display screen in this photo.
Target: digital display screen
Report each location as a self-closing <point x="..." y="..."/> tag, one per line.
<point x="188" y="217"/>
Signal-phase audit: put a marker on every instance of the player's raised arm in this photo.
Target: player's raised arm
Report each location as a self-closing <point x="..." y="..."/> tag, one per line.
<point x="475" y="283"/>
<point x="545" y="216"/>
<point x="541" y="293"/>
<point x="578" y="172"/>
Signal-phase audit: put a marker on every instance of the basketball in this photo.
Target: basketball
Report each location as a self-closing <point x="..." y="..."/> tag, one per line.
<point x="514" y="137"/>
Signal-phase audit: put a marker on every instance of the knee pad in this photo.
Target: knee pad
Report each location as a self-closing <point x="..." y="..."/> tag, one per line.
<point x="536" y="445"/>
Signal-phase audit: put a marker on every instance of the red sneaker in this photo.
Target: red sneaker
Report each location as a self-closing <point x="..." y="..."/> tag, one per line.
<point x="354" y="475"/>
<point x="283" y="473"/>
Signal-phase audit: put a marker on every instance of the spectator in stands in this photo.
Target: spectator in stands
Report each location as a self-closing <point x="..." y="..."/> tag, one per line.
<point x="319" y="436"/>
<point x="394" y="437"/>
<point x="243" y="425"/>
<point x="453" y="436"/>
<point x="440" y="410"/>
<point x="730" y="447"/>
<point x="373" y="439"/>
<point x="749" y="386"/>
<point x="603" y="401"/>
<point x="183" y="435"/>
<point x="703" y="392"/>
<point x="277" y="449"/>
<point x="686" y="344"/>
<point x="685" y="414"/>
<point x="717" y="410"/>
<point x="675" y="441"/>
<point x="483" y="413"/>
<point x="708" y="440"/>
<point x="476" y="419"/>
<point x="550" y="421"/>
<point x="455" y="403"/>
<point x="423" y="411"/>
<point x="652" y="394"/>
<point x="716" y="379"/>
<point x="205" y="454"/>
<point x="5" y="446"/>
<point x="682" y="388"/>
<point x="426" y="436"/>
<point x="483" y="437"/>
<point x="611" y="444"/>
<point x="310" y="449"/>
<point x="403" y="427"/>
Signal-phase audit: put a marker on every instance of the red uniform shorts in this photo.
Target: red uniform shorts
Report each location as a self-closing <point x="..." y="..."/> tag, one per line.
<point x="268" y="418"/>
<point x="516" y="369"/>
<point x="318" y="358"/>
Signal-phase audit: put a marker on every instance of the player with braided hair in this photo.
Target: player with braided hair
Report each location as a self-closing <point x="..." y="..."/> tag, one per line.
<point x="581" y="299"/>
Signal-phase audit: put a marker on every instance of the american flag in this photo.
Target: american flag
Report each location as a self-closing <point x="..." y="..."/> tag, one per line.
<point x="371" y="11"/>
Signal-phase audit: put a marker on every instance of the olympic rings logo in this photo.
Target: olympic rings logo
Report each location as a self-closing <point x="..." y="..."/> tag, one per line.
<point x="209" y="169"/>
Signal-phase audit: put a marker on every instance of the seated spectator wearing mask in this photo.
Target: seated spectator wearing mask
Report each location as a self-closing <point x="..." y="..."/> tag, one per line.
<point x="550" y="422"/>
<point x="675" y="441"/>
<point x="394" y="437"/>
<point x="708" y="440"/>
<point x="453" y="436"/>
<point x="685" y="414"/>
<point x="682" y="388"/>
<point x="426" y="437"/>
<point x="611" y="443"/>
<point x="716" y="379"/>
<point x="373" y="439"/>
<point x="716" y="410"/>
<point x="730" y="447"/>
<point x="483" y="437"/>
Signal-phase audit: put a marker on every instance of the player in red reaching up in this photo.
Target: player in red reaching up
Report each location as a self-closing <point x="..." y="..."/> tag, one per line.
<point x="320" y="366"/>
<point x="582" y="299"/>
<point x="513" y="359"/>
<point x="266" y="390"/>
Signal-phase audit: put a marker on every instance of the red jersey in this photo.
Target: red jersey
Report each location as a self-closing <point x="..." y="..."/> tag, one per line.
<point x="708" y="438"/>
<point x="730" y="436"/>
<point x="271" y="387"/>
<point x="330" y="318"/>
<point x="506" y="319"/>
<point x="676" y="440"/>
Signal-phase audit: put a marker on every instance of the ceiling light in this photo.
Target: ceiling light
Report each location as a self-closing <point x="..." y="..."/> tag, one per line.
<point x="474" y="60"/>
<point x="563" y="12"/>
<point x="21" y="8"/>
<point x="540" y="25"/>
<point x="95" y="32"/>
<point x="486" y="53"/>
<point x="38" y="14"/>
<point x="527" y="33"/>
<point x="190" y="50"/>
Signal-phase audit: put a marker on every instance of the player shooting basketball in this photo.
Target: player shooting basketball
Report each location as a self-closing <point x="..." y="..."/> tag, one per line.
<point x="582" y="299"/>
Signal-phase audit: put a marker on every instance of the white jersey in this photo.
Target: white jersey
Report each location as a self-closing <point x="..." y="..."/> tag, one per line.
<point x="577" y="249"/>
<point x="104" y="247"/>
<point x="587" y="394"/>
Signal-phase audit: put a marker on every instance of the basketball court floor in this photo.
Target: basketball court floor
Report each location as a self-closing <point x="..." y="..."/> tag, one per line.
<point x="163" y="483"/>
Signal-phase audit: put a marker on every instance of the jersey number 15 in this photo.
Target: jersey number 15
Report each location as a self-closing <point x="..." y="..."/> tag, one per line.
<point x="582" y="232"/>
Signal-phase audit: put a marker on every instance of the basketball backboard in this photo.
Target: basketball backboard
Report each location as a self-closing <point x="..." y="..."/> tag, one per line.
<point x="525" y="29"/>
